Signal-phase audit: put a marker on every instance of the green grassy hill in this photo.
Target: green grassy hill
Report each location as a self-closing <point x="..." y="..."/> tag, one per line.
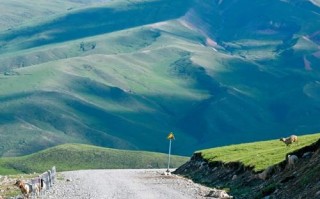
<point x="78" y="156"/>
<point x="259" y="169"/>
<point x="16" y="12"/>
<point x="258" y="155"/>
<point x="214" y="73"/>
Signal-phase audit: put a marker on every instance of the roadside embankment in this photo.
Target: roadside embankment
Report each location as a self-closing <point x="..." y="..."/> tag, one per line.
<point x="276" y="181"/>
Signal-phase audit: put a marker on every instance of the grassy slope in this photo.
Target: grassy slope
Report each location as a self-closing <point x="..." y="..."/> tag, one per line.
<point x="143" y="79"/>
<point x="258" y="155"/>
<point x="88" y="91"/>
<point x="76" y="156"/>
<point x="95" y="88"/>
<point x="16" y="12"/>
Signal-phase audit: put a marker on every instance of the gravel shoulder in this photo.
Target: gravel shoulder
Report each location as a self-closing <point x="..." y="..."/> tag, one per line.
<point x="123" y="184"/>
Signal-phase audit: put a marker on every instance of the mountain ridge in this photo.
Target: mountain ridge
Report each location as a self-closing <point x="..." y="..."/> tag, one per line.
<point x="196" y="68"/>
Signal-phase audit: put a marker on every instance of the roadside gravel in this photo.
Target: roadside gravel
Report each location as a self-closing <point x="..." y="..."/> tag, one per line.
<point x="125" y="184"/>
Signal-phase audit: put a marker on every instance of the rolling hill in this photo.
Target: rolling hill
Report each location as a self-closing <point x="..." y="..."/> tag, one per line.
<point x="123" y="74"/>
<point x="69" y="157"/>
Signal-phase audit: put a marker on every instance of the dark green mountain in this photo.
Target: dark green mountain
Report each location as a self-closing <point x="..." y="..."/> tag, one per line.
<point x="123" y="74"/>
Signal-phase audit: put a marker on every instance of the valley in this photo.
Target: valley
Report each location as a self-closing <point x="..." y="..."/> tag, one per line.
<point x="213" y="72"/>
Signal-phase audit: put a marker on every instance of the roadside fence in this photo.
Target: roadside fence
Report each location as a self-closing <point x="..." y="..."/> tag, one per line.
<point x="44" y="181"/>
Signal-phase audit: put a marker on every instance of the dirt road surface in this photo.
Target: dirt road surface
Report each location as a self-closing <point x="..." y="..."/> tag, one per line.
<point x="126" y="184"/>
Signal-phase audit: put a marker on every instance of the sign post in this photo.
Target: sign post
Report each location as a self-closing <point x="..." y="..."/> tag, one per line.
<point x="170" y="138"/>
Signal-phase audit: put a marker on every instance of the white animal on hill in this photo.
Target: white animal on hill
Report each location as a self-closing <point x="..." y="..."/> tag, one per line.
<point x="289" y="140"/>
<point x="292" y="159"/>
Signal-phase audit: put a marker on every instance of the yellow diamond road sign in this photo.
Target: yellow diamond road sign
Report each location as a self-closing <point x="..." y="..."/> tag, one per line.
<point x="170" y="136"/>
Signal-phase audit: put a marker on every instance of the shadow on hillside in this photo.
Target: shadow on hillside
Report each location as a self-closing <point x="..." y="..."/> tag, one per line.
<point x="93" y="21"/>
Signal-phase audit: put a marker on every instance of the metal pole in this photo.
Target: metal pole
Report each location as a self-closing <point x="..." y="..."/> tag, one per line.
<point x="169" y="156"/>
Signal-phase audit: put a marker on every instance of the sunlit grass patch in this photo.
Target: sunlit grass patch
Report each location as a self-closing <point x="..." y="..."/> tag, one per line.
<point x="258" y="155"/>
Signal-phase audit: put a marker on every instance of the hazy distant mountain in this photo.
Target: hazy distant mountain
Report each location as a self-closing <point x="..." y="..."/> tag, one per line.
<point x="124" y="74"/>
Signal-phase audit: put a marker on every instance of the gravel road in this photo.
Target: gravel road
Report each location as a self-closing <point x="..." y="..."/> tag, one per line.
<point x="127" y="184"/>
